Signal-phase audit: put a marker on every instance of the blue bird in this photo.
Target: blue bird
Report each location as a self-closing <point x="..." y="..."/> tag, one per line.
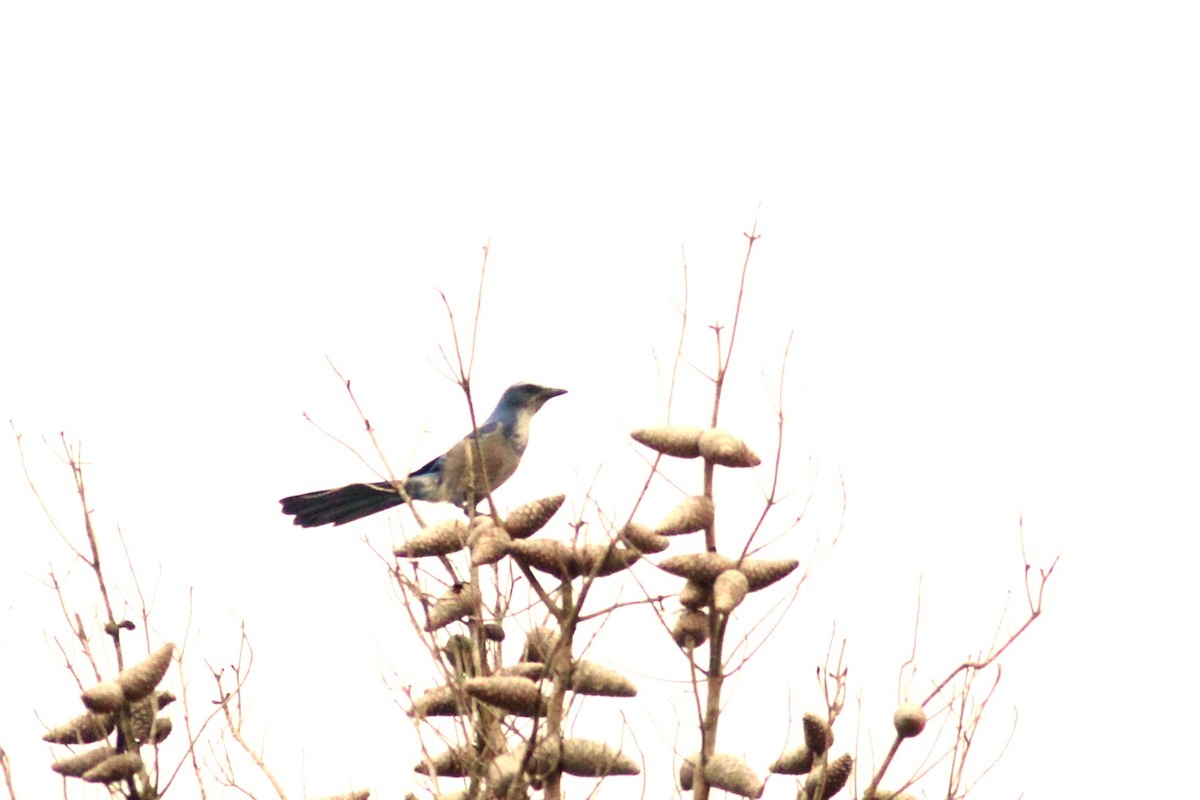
<point x="449" y="478"/>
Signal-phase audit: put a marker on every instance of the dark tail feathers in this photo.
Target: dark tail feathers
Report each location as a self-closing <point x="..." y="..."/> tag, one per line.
<point x="342" y="505"/>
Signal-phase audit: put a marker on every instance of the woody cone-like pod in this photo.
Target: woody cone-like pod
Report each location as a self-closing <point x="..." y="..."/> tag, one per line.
<point x="74" y="766"/>
<point x="687" y="772"/>
<point x="516" y="695"/>
<point x="453" y="763"/>
<point x="593" y="679"/>
<point x="139" y="680"/>
<point x="489" y="544"/>
<point x="104" y="696"/>
<point x="833" y="776"/>
<point x="601" y="560"/>
<point x="818" y="737"/>
<point x="545" y="555"/>
<point x="909" y="720"/>
<point x="440" y="701"/>
<point x="681" y="441"/>
<point x="528" y="519"/>
<point x="501" y="772"/>
<point x="155" y="731"/>
<point x="691" y="629"/>
<point x="796" y="761"/>
<point x="547" y="754"/>
<point x="732" y="775"/>
<point x="726" y="450"/>
<point x="642" y="539"/>
<point x="693" y="514"/>
<point x="762" y="572"/>
<point x="565" y="562"/>
<point x="459" y="601"/>
<point x="81" y="730"/>
<point x="729" y="590"/>
<point x="142" y="720"/>
<point x="695" y="595"/>
<point x="531" y="670"/>
<point x="115" y="768"/>
<point x="439" y="539"/>
<point x="539" y="643"/>
<point x="459" y="650"/>
<point x="699" y="567"/>
<point x="587" y="759"/>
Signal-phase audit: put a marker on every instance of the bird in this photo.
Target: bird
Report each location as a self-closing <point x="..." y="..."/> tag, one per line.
<point x="449" y="478"/>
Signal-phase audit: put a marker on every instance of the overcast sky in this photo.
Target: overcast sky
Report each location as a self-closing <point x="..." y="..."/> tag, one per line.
<point x="978" y="229"/>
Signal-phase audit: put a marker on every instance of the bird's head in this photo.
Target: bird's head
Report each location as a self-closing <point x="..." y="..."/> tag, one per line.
<point x="527" y="396"/>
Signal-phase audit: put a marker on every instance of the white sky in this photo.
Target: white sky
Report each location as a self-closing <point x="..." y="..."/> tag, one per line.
<point x="973" y="220"/>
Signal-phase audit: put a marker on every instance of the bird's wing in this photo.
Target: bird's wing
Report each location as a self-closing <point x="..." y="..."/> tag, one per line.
<point x="432" y="468"/>
<point x="435" y="466"/>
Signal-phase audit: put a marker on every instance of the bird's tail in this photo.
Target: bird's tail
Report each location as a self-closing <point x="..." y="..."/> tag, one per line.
<point x="342" y="505"/>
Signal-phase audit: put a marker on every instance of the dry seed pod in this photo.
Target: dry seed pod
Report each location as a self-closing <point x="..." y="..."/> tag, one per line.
<point x="619" y="558"/>
<point x="479" y="526"/>
<point x="459" y="649"/>
<point x="501" y="772"/>
<point x="687" y="772"/>
<point x="587" y="759"/>
<point x="600" y="560"/>
<point x="142" y="720"/>
<point x="104" y="696"/>
<point x="699" y="567"/>
<point x="593" y="679"/>
<point x="818" y="736"/>
<point x="530" y="670"/>
<point x="641" y="538"/>
<point x="909" y="720"/>
<point x="539" y="643"/>
<point x="440" y="701"/>
<point x="363" y="794"/>
<point x="81" y="730"/>
<point x="732" y="775"/>
<point x="490" y="546"/>
<point x="691" y="629"/>
<point x="762" y="572"/>
<point x="161" y="729"/>
<point x="726" y="450"/>
<point x="796" y="761"/>
<point x="74" y="766"/>
<point x="459" y="601"/>
<point x="528" y="519"/>
<point x="681" y="441"/>
<point x="440" y="539"/>
<point x="453" y="763"/>
<point x="833" y="776"/>
<point x="693" y="514"/>
<point x="546" y="755"/>
<point x="516" y="695"/>
<point x="695" y="595"/>
<point x="584" y="558"/>
<point x="729" y="590"/>
<point x="493" y="631"/>
<point x="114" y="768"/>
<point x="139" y="680"/>
<point x="547" y="555"/>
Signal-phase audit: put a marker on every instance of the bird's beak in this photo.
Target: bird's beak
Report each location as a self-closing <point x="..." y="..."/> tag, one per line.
<point x="547" y="393"/>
